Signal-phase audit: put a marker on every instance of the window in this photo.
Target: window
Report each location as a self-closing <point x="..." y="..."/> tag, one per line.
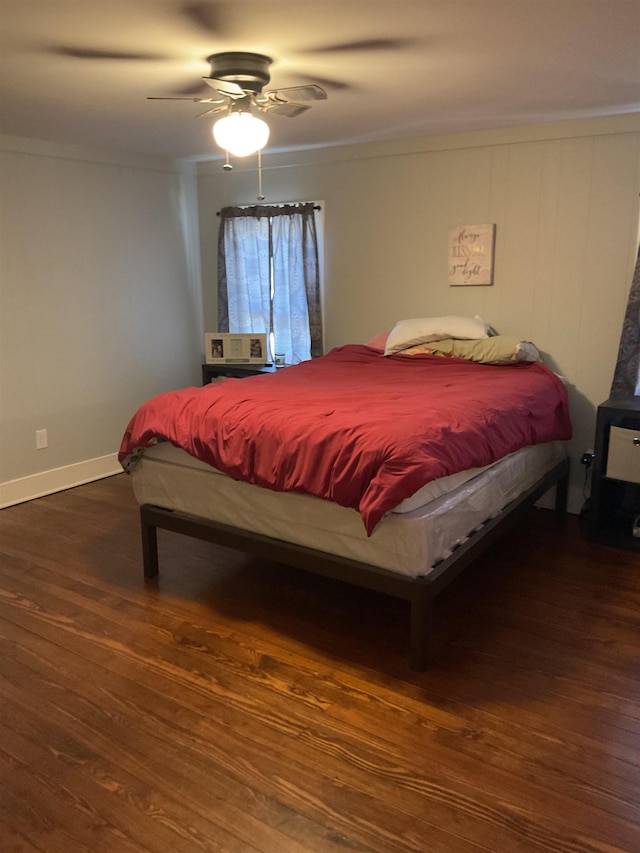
<point x="269" y="278"/>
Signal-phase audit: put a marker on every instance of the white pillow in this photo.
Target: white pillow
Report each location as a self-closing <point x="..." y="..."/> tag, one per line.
<point x="409" y="333"/>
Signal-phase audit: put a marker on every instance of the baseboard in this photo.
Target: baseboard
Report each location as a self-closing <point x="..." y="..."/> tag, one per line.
<point x="58" y="479"/>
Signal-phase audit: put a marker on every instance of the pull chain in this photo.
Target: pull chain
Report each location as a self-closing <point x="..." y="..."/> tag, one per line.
<point x="260" y="196"/>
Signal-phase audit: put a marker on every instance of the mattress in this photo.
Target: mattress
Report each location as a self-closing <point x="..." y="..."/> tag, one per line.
<point x="410" y="540"/>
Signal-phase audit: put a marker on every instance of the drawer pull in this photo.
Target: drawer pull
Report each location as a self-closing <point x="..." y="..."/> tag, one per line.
<point x="636" y="441"/>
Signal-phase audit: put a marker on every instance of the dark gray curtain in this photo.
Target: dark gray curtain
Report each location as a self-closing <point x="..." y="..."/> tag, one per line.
<point x="309" y="250"/>
<point x="223" y="299"/>
<point x="312" y="277"/>
<point x="625" y="377"/>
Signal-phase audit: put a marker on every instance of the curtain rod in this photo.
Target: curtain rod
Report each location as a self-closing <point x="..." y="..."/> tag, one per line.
<point x="285" y="204"/>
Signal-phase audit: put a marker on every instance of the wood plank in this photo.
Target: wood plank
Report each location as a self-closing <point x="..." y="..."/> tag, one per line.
<point x="236" y="704"/>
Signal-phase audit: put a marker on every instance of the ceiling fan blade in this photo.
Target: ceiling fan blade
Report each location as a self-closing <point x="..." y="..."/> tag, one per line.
<point x="194" y="99"/>
<point x="363" y="45"/>
<point x="194" y="90"/>
<point x="288" y="109"/>
<point x="302" y="93"/>
<point x="204" y="15"/>
<point x="225" y="87"/>
<point x="98" y="53"/>
<point x="222" y="108"/>
<point x="327" y="83"/>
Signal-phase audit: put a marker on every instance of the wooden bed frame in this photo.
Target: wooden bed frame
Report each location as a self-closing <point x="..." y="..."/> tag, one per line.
<point x="420" y="592"/>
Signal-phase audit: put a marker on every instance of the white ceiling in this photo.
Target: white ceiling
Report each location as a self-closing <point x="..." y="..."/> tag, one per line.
<point x="80" y="71"/>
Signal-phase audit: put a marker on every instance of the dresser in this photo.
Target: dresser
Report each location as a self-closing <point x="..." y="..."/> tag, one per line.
<point x="615" y="487"/>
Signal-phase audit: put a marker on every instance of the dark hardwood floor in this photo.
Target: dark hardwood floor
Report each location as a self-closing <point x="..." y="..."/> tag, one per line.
<point x="238" y="705"/>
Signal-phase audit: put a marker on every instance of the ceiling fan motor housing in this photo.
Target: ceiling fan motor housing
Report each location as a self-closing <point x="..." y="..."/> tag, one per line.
<point x="249" y="70"/>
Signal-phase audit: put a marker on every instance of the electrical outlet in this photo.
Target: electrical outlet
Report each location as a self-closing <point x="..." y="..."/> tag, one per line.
<point x="42" y="439"/>
<point x="587" y="458"/>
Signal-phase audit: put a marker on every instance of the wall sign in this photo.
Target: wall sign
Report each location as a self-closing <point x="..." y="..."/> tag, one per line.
<point x="471" y="249"/>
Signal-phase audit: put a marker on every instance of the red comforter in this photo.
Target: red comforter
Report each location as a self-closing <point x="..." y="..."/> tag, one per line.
<point x="355" y="427"/>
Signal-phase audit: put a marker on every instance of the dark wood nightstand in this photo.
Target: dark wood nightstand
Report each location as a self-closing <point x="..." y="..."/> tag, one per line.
<point x="615" y="488"/>
<point x="213" y="372"/>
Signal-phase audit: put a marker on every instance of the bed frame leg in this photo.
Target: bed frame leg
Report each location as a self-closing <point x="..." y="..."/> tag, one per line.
<point x="149" y="546"/>
<point x="562" y="494"/>
<point x="421" y="628"/>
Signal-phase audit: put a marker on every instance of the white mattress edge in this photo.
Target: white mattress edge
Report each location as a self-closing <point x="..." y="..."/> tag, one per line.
<point x="409" y="543"/>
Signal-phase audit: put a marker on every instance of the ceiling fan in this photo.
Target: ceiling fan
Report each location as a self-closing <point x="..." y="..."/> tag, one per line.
<point x="239" y="79"/>
<point x="214" y="19"/>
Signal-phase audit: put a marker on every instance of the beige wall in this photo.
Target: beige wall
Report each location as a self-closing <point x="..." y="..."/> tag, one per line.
<point x="564" y="198"/>
<point x="100" y="289"/>
<point x="100" y="305"/>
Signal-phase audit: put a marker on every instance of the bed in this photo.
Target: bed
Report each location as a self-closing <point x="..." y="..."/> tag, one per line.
<point x="390" y="468"/>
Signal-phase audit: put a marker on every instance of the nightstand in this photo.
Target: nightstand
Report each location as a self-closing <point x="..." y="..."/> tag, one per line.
<point x="213" y="372"/>
<point x="615" y="487"/>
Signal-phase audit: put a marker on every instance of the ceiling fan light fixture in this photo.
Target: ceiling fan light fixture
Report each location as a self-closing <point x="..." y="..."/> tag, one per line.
<point x="241" y="133"/>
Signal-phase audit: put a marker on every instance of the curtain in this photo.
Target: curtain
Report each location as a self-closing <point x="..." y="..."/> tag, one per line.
<point x="269" y="278"/>
<point x="625" y="377"/>
<point x="244" y="274"/>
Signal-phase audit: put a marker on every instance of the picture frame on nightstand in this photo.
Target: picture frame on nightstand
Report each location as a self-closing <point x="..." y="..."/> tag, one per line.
<point x="230" y="348"/>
